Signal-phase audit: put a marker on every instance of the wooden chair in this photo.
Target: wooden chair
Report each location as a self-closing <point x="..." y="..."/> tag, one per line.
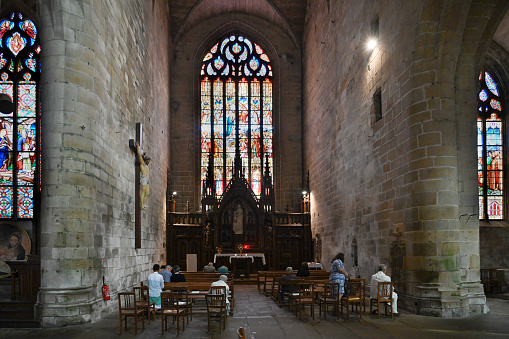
<point x="127" y="308"/>
<point x="384" y="296"/>
<point x="143" y="301"/>
<point x="216" y="309"/>
<point x="306" y="297"/>
<point x="170" y="307"/>
<point x="220" y="290"/>
<point x="241" y="333"/>
<point x="330" y="296"/>
<point x="185" y="302"/>
<point x="290" y="292"/>
<point x="485" y="279"/>
<point x="354" y="296"/>
<point x="494" y="283"/>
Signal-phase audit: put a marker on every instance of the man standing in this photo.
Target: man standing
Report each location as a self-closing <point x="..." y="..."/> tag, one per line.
<point x="222" y="282"/>
<point x="381" y="276"/>
<point x="166" y="273"/>
<point x="155" y="286"/>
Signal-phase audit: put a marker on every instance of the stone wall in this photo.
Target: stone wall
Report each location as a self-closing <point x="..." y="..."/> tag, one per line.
<point x="285" y="58"/>
<point x="398" y="185"/>
<point x="494" y="241"/>
<point x="105" y="68"/>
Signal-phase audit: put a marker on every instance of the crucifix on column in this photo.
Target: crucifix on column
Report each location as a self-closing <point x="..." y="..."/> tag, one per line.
<point x="142" y="174"/>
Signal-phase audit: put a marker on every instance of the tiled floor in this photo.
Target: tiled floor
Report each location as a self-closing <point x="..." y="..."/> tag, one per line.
<point x="263" y="319"/>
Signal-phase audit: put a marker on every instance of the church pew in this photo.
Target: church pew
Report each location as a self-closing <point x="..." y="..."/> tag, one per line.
<point x="266" y="279"/>
<point x="198" y="289"/>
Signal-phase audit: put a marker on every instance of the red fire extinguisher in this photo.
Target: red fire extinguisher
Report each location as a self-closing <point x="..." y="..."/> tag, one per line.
<point x="106" y="291"/>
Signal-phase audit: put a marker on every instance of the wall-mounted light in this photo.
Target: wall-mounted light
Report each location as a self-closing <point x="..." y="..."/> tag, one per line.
<point x="372" y="43"/>
<point x="374" y="34"/>
<point x="304" y="193"/>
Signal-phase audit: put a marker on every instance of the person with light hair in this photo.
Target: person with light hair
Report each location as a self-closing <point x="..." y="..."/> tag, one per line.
<point x="222" y="283"/>
<point x="209" y="268"/>
<point x="381" y="276"/>
<point x="285" y="289"/>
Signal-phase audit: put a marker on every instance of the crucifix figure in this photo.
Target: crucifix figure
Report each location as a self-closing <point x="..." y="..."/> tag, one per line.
<point x="141" y="181"/>
<point x="144" y="175"/>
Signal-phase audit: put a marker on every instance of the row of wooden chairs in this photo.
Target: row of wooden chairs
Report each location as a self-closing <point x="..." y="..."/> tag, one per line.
<point x="136" y="304"/>
<point x="306" y="293"/>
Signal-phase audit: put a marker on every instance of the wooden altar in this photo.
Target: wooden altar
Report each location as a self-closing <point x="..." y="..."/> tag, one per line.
<point x="238" y="219"/>
<point x="241" y="263"/>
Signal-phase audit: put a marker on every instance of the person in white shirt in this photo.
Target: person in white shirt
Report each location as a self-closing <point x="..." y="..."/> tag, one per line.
<point x="155" y="286"/>
<point x="222" y="282"/>
<point x="381" y="276"/>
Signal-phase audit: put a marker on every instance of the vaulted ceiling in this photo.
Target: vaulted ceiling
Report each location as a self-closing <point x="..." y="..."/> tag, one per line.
<point x="287" y="14"/>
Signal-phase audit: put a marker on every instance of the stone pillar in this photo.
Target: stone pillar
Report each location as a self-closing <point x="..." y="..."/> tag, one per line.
<point x="102" y="72"/>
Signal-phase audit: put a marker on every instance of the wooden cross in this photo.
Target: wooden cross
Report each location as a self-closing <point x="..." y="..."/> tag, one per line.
<point x="137" y="194"/>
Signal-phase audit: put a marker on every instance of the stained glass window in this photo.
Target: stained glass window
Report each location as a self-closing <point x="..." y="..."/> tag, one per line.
<point x="490" y="149"/>
<point x="236" y="110"/>
<point x="19" y="132"/>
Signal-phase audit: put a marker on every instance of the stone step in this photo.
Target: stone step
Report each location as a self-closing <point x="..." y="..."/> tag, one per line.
<point x="17" y="314"/>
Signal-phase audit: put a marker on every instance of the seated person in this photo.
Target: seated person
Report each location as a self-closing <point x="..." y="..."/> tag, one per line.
<point x="177" y="276"/>
<point x="166" y="273"/>
<point x="286" y="288"/>
<point x="209" y="268"/>
<point x="222" y="282"/>
<point x="303" y="270"/>
<point x="382" y="276"/>
<point x="222" y="269"/>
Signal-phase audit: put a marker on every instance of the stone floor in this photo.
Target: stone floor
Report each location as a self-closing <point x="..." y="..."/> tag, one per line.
<point x="262" y="318"/>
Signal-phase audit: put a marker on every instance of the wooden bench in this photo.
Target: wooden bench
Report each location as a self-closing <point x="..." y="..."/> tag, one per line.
<point x="198" y="289"/>
<point x="271" y="285"/>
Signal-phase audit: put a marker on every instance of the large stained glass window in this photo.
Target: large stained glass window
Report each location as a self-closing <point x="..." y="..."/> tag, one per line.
<point x="490" y="149"/>
<point x="236" y="110"/>
<point x="19" y="132"/>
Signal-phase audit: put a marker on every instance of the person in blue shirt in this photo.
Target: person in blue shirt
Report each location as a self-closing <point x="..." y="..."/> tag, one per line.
<point x="166" y="273"/>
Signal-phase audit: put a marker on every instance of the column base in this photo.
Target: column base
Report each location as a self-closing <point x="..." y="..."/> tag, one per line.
<point x="446" y="300"/>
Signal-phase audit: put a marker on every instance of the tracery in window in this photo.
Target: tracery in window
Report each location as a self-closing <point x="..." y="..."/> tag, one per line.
<point x="236" y="110"/>
<point x="19" y="130"/>
<point x="490" y="149"/>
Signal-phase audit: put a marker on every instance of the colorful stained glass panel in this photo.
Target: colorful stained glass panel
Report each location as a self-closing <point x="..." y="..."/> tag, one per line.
<point x="5" y="202"/>
<point x="26" y="99"/>
<point x="495" y="104"/>
<point x="483" y="95"/>
<point x="491" y="84"/>
<point x="495" y="208"/>
<point x="25" y="202"/>
<point x="239" y="105"/>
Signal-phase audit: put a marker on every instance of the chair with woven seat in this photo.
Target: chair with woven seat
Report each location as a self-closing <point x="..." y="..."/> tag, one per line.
<point x="170" y="307"/>
<point x="143" y="301"/>
<point x="305" y="297"/>
<point x="127" y="308"/>
<point x="185" y="302"/>
<point x="354" y="296"/>
<point x="384" y="296"/>
<point x="330" y="296"/>
<point x="216" y="309"/>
